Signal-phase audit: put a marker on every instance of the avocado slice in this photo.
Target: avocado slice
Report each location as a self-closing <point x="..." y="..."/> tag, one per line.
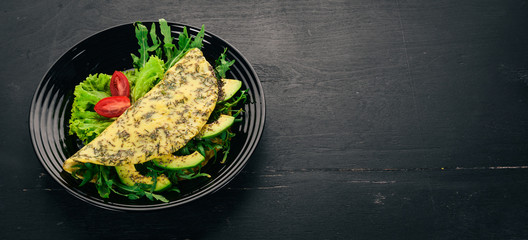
<point x="172" y="162"/>
<point x="130" y="176"/>
<point x="229" y="88"/>
<point x="215" y="128"/>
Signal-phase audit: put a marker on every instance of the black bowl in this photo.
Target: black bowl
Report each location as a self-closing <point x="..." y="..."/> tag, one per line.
<point x="110" y="50"/>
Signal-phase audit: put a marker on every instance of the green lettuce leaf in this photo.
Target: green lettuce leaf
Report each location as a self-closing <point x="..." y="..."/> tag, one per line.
<point x="84" y="121"/>
<point x="147" y="77"/>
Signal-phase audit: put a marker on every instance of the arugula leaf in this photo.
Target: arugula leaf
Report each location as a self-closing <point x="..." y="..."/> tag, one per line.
<point x="160" y="197"/>
<point x="185" y="43"/>
<point x="87" y="176"/>
<point x="168" y="46"/>
<point x="141" y="35"/>
<point x="105" y="181"/>
<point x="155" y="41"/>
<point x="172" y="53"/>
<point x="183" y="39"/>
<point x="197" y="42"/>
<point x="222" y="65"/>
<point x="99" y="173"/>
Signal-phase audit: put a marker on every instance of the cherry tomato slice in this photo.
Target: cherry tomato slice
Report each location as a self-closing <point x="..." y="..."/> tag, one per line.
<point x="119" y="85"/>
<point x="112" y="106"/>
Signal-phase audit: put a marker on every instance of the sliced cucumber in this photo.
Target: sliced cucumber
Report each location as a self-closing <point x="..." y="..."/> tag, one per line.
<point x="172" y="162"/>
<point x="215" y="128"/>
<point x="130" y="176"/>
<point x="229" y="87"/>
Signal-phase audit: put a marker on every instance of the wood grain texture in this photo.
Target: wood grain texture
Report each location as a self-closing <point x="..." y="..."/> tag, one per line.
<point x="385" y="120"/>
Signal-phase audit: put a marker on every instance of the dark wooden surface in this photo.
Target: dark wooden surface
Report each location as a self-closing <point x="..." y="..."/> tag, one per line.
<point x="385" y="120"/>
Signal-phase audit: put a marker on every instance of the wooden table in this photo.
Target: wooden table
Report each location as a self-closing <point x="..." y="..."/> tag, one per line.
<point x="385" y="120"/>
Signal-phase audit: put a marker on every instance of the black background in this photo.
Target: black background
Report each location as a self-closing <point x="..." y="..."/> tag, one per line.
<point x="385" y="120"/>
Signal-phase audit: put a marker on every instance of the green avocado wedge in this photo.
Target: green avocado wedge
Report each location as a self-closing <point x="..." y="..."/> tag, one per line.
<point x="172" y="162"/>
<point x="215" y="128"/>
<point x="229" y="88"/>
<point x="130" y="176"/>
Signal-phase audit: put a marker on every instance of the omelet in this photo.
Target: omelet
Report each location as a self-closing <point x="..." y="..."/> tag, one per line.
<point x="161" y="122"/>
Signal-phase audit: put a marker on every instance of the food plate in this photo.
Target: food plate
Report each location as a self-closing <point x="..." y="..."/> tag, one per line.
<point x="110" y="50"/>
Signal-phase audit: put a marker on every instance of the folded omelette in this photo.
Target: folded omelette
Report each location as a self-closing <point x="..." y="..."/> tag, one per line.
<point x="159" y="123"/>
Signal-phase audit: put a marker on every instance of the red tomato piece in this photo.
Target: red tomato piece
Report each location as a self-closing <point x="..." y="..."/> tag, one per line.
<point x="112" y="106"/>
<point x="119" y="85"/>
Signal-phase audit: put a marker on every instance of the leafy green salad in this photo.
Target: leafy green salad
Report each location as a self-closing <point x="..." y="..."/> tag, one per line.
<point x="155" y="56"/>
